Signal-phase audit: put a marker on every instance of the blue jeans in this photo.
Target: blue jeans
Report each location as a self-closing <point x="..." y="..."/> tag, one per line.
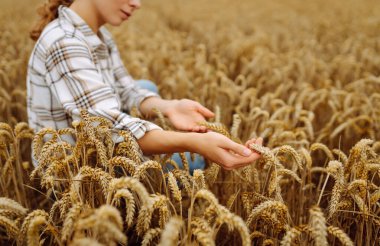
<point x="199" y="162"/>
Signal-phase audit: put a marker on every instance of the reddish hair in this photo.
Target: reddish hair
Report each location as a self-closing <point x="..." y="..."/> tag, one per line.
<point x="47" y="12"/>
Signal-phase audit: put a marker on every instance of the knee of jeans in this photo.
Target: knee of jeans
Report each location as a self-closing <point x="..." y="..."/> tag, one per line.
<point x="148" y="85"/>
<point x="198" y="163"/>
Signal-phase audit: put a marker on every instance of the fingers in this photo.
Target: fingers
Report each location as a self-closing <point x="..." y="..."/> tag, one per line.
<point x="249" y="142"/>
<point x="199" y="129"/>
<point x="203" y="129"/>
<point x="234" y="161"/>
<point x="205" y="111"/>
<point x="237" y="148"/>
<point x="247" y="160"/>
<point x="258" y="141"/>
<point x="237" y="161"/>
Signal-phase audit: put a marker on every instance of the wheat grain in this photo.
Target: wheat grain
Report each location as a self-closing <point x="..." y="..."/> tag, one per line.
<point x="105" y="220"/>
<point x="211" y="174"/>
<point x="324" y="148"/>
<point x="142" y="169"/>
<point x="278" y="207"/>
<point x="71" y="217"/>
<point x="171" y="233"/>
<point x="27" y="221"/>
<point x="290" y="236"/>
<point x="338" y="233"/>
<point x="268" y="242"/>
<point x="38" y="140"/>
<point x="133" y="149"/>
<point x="174" y="187"/>
<point x="231" y="200"/>
<point x="375" y="197"/>
<point x="235" y="126"/>
<point x="202" y="231"/>
<point x="224" y="216"/>
<point x="150" y="235"/>
<point x="292" y="152"/>
<point x="342" y="156"/>
<point x="130" y="183"/>
<point x="130" y="206"/>
<point x="124" y="162"/>
<point x="33" y="230"/>
<point x="10" y="226"/>
<point x="146" y="213"/>
<point x="318" y="226"/>
<point x="8" y="213"/>
<point x="184" y="179"/>
<point x="9" y="204"/>
<point x="361" y="204"/>
<point x="199" y="179"/>
<point x="217" y="127"/>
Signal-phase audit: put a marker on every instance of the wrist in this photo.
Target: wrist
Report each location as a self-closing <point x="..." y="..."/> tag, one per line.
<point x="192" y="142"/>
<point x="160" y="142"/>
<point x="147" y="106"/>
<point x="167" y="106"/>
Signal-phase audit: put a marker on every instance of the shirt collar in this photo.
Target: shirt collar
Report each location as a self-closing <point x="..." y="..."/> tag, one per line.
<point x="78" y="23"/>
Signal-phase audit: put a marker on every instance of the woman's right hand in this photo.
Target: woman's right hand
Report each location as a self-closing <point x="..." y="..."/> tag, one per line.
<point x="223" y="151"/>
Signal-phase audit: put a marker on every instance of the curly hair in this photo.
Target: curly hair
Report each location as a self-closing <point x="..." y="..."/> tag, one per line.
<point x="47" y="12"/>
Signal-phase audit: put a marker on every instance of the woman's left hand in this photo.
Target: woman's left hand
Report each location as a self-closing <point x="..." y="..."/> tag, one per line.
<point x="184" y="115"/>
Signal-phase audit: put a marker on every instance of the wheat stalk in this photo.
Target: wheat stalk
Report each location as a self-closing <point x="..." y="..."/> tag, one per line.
<point x="290" y="236"/>
<point x="172" y="182"/>
<point x="338" y="233"/>
<point x="280" y="208"/>
<point x="318" y="226"/>
<point x="71" y="217"/>
<point x="130" y="206"/>
<point x="142" y="169"/>
<point x="10" y="226"/>
<point x="145" y="215"/>
<point x="202" y="231"/>
<point x="150" y="235"/>
<point x="9" y="204"/>
<point x="130" y="183"/>
<point x="105" y="221"/>
<point x="171" y="233"/>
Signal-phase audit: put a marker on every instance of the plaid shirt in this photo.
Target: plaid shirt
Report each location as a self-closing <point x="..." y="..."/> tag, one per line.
<point x="72" y="68"/>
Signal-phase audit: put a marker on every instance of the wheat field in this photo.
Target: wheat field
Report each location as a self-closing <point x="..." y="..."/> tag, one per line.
<point x="303" y="75"/>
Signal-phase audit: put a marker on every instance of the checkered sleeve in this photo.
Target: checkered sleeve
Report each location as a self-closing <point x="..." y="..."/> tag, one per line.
<point x="76" y="82"/>
<point x="130" y="94"/>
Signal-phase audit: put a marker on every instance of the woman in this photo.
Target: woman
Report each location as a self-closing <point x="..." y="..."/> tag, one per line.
<point x="75" y="64"/>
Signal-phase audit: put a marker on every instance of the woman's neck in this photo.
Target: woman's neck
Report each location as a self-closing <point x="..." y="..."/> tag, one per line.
<point x="88" y="13"/>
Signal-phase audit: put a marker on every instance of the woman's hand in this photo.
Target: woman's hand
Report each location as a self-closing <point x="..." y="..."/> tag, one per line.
<point x="254" y="141"/>
<point x="184" y="115"/>
<point x="224" y="151"/>
<point x="214" y="146"/>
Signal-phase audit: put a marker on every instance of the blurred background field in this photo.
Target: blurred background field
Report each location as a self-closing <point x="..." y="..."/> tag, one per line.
<point x="300" y="74"/>
<point x="186" y="47"/>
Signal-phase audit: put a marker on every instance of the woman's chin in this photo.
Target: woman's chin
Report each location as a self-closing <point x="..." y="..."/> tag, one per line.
<point x="117" y="22"/>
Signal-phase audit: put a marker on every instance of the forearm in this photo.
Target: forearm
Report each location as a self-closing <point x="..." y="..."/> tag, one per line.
<point x="162" y="142"/>
<point x="148" y="104"/>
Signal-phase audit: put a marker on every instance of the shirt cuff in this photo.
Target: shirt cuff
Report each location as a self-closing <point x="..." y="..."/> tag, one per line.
<point x="143" y="95"/>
